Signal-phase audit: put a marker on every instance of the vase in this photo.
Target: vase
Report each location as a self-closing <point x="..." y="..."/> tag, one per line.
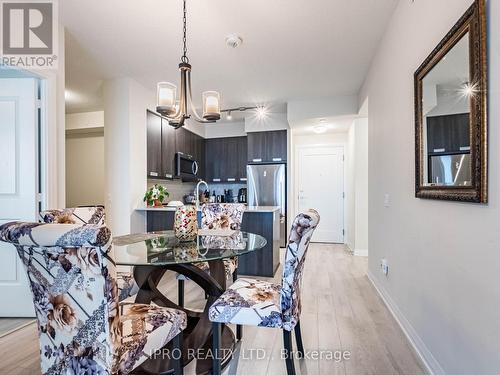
<point x="158" y="203"/>
<point x="186" y="223"/>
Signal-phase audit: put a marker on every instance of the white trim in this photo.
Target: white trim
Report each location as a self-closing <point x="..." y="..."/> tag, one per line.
<point x="430" y="363"/>
<point x="361" y="252"/>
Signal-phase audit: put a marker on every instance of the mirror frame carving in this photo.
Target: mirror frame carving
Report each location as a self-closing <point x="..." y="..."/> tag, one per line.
<point x="474" y="22"/>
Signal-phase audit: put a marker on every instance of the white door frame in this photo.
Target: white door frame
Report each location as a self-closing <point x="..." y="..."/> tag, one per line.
<point x="52" y="139"/>
<point x="295" y="196"/>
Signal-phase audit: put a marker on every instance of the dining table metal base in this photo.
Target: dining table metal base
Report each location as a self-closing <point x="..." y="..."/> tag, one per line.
<point x="197" y="337"/>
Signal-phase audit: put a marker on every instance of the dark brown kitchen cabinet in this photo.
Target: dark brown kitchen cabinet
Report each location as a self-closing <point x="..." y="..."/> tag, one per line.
<point x="154" y="145"/>
<point x="242" y="158"/>
<point x="167" y="149"/>
<point x="213" y="160"/>
<point x="268" y="146"/>
<point x="226" y="159"/>
<point x="193" y="145"/>
<point x="448" y="133"/>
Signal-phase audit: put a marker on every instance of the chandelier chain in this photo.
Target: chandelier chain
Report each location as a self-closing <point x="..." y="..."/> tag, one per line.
<point x="184" y="57"/>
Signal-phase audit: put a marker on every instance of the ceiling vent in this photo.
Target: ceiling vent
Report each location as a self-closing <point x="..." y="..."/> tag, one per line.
<point x="233" y="40"/>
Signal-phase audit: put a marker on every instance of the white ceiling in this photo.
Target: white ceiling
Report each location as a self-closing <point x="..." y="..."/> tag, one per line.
<point x="292" y="49"/>
<point x="336" y="124"/>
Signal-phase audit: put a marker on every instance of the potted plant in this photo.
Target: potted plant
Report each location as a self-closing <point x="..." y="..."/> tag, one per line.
<point x="155" y="195"/>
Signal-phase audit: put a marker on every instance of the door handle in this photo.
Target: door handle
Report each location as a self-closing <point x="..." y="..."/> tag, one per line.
<point x="194" y="168"/>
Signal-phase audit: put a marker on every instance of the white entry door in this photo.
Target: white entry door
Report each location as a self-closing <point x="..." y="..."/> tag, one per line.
<point x="18" y="185"/>
<point x="321" y="186"/>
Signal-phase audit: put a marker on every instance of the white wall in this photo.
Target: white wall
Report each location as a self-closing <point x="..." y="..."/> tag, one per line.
<point x="225" y="129"/>
<point x="125" y="104"/>
<point x="85" y="158"/>
<point x="84" y="120"/>
<point x="85" y="169"/>
<point x="357" y="187"/>
<point x="444" y="257"/>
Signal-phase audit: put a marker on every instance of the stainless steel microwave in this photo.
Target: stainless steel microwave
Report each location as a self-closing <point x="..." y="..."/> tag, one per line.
<point x="185" y="166"/>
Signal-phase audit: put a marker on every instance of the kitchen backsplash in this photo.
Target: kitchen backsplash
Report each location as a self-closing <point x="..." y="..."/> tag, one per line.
<point x="178" y="189"/>
<point x="219" y="189"/>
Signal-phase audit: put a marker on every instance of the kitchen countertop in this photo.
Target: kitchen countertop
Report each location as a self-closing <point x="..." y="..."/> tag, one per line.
<point x="247" y="209"/>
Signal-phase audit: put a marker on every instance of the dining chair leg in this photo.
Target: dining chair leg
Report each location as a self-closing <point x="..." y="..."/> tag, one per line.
<point x="177" y="354"/>
<point x="239" y="332"/>
<point x="235" y="275"/>
<point x="180" y="292"/>
<point x="298" y="338"/>
<point x="216" y="333"/>
<point x="287" y="343"/>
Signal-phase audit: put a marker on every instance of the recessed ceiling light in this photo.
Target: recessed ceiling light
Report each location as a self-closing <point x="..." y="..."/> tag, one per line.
<point x="261" y="112"/>
<point x="233" y="40"/>
<point x="319" y="129"/>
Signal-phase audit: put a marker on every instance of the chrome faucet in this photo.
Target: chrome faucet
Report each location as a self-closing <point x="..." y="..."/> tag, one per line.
<point x="197" y="192"/>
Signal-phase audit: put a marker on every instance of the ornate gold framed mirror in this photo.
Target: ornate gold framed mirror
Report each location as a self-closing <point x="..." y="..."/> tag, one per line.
<point x="451" y="114"/>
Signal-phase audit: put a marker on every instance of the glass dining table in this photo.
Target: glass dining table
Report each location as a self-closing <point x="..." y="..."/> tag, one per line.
<point x="155" y="253"/>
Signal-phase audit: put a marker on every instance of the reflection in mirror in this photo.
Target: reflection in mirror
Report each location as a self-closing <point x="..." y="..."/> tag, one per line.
<point x="446" y="107"/>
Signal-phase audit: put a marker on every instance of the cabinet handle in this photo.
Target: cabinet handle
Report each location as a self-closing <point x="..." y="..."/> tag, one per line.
<point x="277" y="159"/>
<point x="257" y="160"/>
<point x="439" y="150"/>
<point x="465" y="148"/>
<point x="216" y="180"/>
<point x="243" y="179"/>
<point x="154" y="174"/>
<point x="231" y="179"/>
<point x="168" y="175"/>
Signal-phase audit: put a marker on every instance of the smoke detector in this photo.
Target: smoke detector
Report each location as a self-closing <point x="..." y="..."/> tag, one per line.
<point x="233" y="40"/>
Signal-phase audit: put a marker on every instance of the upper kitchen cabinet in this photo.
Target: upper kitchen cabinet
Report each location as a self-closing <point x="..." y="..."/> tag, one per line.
<point x="168" y="149"/>
<point x="182" y="141"/>
<point x="268" y="146"/>
<point x="154" y="145"/>
<point x="448" y="133"/>
<point x="193" y="145"/>
<point x="226" y="159"/>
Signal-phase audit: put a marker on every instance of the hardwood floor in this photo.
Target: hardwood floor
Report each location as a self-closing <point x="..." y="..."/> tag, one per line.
<point x="8" y="325"/>
<point x="341" y="311"/>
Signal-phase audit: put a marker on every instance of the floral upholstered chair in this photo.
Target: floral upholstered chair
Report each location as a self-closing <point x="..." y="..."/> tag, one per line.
<point x="83" y="329"/>
<point x="264" y="304"/>
<point x="218" y="216"/>
<point x="78" y="215"/>
<point x="95" y="215"/>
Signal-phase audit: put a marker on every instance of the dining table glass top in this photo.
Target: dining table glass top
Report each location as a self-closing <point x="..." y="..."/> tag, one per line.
<point x="163" y="248"/>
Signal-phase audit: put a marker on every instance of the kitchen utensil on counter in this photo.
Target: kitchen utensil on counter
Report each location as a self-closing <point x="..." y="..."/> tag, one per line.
<point x="242" y="195"/>
<point x="189" y="199"/>
<point x="228" y="196"/>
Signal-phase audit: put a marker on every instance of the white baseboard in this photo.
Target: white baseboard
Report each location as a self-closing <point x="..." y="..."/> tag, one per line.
<point x="431" y="364"/>
<point x="361" y="252"/>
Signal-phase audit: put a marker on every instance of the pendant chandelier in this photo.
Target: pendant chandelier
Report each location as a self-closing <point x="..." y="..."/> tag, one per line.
<point x="177" y="112"/>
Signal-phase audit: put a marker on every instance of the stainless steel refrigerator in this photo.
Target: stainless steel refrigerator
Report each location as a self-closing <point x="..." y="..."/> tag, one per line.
<point x="267" y="187"/>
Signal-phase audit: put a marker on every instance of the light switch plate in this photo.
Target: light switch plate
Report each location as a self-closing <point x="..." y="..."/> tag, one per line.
<point x="387" y="200"/>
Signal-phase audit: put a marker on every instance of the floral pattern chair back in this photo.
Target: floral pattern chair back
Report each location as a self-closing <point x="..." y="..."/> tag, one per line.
<point x="302" y="230"/>
<point x="81" y="329"/>
<point x="78" y="215"/>
<point x="91" y="215"/>
<point x="222" y="216"/>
